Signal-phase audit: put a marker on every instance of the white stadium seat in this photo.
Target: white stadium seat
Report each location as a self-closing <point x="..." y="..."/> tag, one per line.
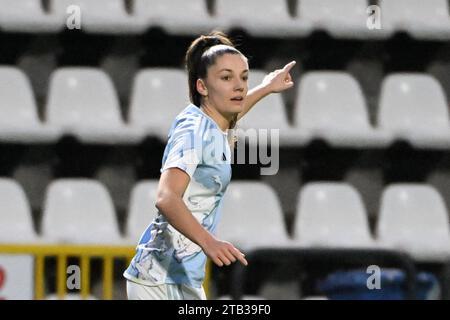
<point x="100" y="16"/>
<point x="331" y="106"/>
<point x="250" y="223"/>
<point x="331" y="215"/>
<point x="422" y="19"/>
<point x="154" y="104"/>
<point x="341" y="19"/>
<point x="141" y="210"/>
<point x="175" y="16"/>
<point x="82" y="102"/>
<point x="259" y="18"/>
<point x="413" y="107"/>
<point x="79" y="211"/>
<point x="19" y="121"/>
<point x="27" y="16"/>
<point x="16" y="222"/>
<point x="413" y="218"/>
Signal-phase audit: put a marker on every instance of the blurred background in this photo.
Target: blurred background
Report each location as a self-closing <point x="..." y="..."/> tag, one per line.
<point x="89" y="89"/>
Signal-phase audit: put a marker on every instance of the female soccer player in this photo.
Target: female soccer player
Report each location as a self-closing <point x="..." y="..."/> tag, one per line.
<point x="171" y="255"/>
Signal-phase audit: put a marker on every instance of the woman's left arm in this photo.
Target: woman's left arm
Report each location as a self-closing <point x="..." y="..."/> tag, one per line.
<point x="276" y="81"/>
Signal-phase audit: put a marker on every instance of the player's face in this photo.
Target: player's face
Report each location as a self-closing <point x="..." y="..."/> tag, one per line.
<point x="227" y="85"/>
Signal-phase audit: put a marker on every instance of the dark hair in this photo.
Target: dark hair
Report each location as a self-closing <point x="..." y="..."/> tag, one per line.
<point x="199" y="59"/>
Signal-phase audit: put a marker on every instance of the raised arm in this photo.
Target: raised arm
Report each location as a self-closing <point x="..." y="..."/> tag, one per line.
<point x="172" y="185"/>
<point x="276" y="81"/>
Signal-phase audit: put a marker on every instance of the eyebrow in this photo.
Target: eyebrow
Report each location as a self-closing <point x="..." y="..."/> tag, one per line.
<point x="229" y="70"/>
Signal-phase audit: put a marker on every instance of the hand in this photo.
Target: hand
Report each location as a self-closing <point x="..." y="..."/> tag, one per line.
<point x="280" y="79"/>
<point x="223" y="253"/>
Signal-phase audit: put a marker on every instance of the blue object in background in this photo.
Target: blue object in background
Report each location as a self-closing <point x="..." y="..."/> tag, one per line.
<point x="352" y="285"/>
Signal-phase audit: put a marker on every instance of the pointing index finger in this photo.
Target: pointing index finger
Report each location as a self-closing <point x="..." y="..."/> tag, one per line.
<point x="289" y="66"/>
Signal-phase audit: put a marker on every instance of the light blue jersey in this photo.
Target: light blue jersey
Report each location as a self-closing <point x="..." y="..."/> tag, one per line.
<point x="197" y="146"/>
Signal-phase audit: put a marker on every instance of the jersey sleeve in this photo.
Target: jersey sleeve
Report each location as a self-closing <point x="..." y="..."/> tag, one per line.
<point x="184" y="149"/>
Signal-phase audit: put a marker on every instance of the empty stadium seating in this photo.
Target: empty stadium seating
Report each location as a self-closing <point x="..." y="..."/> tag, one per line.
<point x="172" y="15"/>
<point x="16" y="221"/>
<point x="154" y="105"/>
<point x="423" y="20"/>
<point x="364" y="92"/>
<point x="19" y="121"/>
<point x="413" y="218"/>
<point x="27" y="16"/>
<point x="342" y="19"/>
<point x="331" y="106"/>
<point x="100" y="16"/>
<point x="331" y="215"/>
<point x="250" y="223"/>
<point x="252" y="16"/>
<point x="82" y="102"/>
<point x="79" y="211"/>
<point x="413" y="107"/>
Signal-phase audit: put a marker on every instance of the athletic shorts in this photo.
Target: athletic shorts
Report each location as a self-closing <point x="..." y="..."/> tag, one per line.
<point x="136" y="291"/>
